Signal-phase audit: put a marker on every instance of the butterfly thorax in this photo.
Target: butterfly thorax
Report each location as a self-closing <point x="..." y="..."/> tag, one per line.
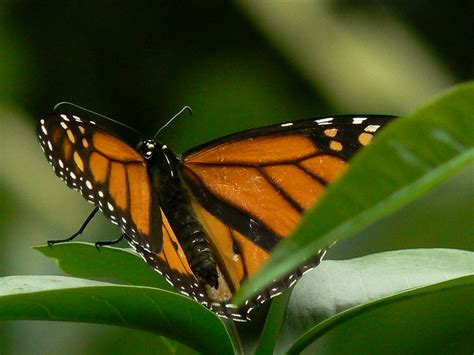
<point x="175" y="201"/>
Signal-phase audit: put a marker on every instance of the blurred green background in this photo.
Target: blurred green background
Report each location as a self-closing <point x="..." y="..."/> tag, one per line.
<point x="239" y="65"/>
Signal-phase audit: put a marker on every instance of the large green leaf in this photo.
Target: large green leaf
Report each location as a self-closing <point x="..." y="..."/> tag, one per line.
<point x="57" y="298"/>
<point x="80" y="259"/>
<point x="412" y="155"/>
<point x="85" y="260"/>
<point x="435" y="220"/>
<point x="426" y="320"/>
<point x="323" y="295"/>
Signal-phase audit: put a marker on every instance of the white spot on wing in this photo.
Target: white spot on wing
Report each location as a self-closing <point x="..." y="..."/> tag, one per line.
<point x="324" y="121"/>
<point x="88" y="184"/>
<point x="63" y="125"/>
<point x="109" y="205"/>
<point x="64" y="117"/>
<point x="358" y="120"/>
<point x="43" y="128"/>
<point x="289" y="124"/>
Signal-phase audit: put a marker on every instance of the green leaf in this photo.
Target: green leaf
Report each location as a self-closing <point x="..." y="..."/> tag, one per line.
<point x="57" y="298"/>
<point x="319" y="299"/>
<point x="273" y="324"/>
<point x="411" y="156"/>
<point x="433" y="319"/>
<point x="84" y="260"/>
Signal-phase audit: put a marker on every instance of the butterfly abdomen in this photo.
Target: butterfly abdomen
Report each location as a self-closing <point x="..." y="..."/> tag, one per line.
<point x="176" y="203"/>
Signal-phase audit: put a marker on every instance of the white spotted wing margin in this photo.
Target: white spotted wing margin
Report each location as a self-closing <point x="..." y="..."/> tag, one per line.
<point x="189" y="286"/>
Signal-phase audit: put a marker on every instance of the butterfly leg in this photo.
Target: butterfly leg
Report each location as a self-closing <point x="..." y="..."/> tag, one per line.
<point x="109" y="242"/>
<point x="84" y="225"/>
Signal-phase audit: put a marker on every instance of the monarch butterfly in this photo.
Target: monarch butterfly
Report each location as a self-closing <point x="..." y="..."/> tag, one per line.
<point x="207" y="219"/>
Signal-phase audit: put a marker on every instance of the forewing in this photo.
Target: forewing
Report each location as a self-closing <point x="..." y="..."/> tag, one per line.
<point x="258" y="183"/>
<point x="107" y="172"/>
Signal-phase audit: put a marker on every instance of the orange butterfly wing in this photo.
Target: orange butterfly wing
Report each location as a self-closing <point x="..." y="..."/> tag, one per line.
<point x="252" y="188"/>
<point x="105" y="170"/>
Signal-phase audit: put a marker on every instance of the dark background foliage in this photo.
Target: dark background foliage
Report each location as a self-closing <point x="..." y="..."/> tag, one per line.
<point x="232" y="62"/>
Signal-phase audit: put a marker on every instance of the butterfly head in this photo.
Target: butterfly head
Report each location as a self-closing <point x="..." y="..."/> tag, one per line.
<point x="149" y="147"/>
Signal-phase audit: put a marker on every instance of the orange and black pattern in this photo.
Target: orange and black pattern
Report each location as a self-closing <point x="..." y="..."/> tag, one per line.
<point x="105" y="170"/>
<point x="208" y="219"/>
<point x="270" y="176"/>
<point x="253" y="187"/>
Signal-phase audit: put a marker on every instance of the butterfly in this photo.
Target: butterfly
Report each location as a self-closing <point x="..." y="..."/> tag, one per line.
<point x="208" y="219"/>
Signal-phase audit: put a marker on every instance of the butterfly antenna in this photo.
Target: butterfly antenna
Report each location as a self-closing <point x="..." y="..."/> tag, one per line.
<point x="185" y="108"/>
<point x="95" y="113"/>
